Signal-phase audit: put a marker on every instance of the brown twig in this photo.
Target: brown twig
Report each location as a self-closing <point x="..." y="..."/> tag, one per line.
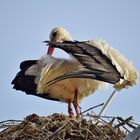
<point x="123" y="122"/>
<point x="57" y="131"/>
<point x="92" y="108"/>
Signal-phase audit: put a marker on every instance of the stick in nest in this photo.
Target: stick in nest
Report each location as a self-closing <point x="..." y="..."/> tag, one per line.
<point x="57" y="131"/>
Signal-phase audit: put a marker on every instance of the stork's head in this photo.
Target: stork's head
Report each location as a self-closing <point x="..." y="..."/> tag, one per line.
<point x="58" y="34"/>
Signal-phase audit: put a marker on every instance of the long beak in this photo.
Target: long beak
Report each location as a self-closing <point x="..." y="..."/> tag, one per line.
<point x="50" y="50"/>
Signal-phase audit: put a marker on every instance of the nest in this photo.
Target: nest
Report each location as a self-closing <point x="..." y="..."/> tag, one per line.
<point x="61" y="127"/>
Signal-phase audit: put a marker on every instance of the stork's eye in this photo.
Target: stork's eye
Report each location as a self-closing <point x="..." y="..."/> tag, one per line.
<point x="54" y="34"/>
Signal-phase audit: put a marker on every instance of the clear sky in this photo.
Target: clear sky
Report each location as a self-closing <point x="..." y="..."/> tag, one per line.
<point x="25" y="24"/>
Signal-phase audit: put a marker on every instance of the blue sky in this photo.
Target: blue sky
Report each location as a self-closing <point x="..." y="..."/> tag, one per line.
<point x="25" y="24"/>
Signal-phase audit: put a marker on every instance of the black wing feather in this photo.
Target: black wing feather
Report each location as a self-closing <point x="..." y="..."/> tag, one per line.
<point x="92" y="59"/>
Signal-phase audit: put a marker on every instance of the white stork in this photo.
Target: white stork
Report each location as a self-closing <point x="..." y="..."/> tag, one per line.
<point x="95" y="64"/>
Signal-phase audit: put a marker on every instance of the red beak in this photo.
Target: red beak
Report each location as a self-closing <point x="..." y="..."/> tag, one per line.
<point x="50" y="50"/>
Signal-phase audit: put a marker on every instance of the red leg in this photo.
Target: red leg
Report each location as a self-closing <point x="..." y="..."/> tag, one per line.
<point x="76" y="104"/>
<point x="71" y="114"/>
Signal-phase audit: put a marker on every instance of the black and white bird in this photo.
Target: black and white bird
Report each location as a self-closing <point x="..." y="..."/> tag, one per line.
<point x="94" y="64"/>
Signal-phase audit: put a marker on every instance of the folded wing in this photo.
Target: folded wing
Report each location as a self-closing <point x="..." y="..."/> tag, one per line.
<point x="95" y="64"/>
<point x="100" y="62"/>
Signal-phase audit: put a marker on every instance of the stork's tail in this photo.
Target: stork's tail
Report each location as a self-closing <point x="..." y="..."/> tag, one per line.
<point x="25" y="82"/>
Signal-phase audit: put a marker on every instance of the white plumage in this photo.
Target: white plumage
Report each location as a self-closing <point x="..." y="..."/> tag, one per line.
<point x="64" y="90"/>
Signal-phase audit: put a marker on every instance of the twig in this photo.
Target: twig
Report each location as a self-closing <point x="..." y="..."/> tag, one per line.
<point x="57" y="131"/>
<point x="123" y="122"/>
<point x="90" y="133"/>
<point x="111" y="122"/>
<point x="5" y="125"/>
<point x="135" y="123"/>
<point x="92" y="108"/>
<point x="124" y="127"/>
<point x="10" y="121"/>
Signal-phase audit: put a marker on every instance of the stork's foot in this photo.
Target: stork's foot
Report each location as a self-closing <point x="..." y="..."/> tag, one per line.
<point x="71" y="114"/>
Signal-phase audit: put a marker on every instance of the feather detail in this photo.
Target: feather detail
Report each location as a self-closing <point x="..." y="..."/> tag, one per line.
<point x="64" y="89"/>
<point x="124" y="66"/>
